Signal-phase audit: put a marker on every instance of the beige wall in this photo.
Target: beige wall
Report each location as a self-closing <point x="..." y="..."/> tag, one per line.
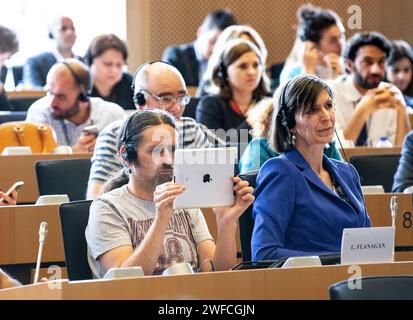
<point x="154" y="24"/>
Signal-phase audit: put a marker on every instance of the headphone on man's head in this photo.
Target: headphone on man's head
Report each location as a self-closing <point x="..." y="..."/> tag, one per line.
<point x="83" y="95"/>
<point x="129" y="154"/>
<point x="139" y="98"/>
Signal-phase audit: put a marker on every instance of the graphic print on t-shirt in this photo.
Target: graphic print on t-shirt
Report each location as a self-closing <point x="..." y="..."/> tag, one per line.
<point x="179" y="242"/>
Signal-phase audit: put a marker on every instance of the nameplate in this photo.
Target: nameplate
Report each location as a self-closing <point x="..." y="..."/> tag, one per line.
<point x="366" y="245"/>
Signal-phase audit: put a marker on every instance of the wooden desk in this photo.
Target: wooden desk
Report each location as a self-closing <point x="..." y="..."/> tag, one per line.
<point x="297" y="283"/>
<point x="358" y="151"/>
<point x="378" y="207"/>
<point x="19" y="234"/>
<point x="14" y="168"/>
<point x="25" y="94"/>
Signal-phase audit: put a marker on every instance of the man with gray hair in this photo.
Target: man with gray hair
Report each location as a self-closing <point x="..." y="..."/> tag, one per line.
<point x="156" y="85"/>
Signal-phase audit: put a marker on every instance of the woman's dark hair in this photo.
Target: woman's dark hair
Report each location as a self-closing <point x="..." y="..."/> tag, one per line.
<point x="298" y="95"/>
<point x="362" y="39"/>
<point x="314" y="20"/>
<point x="401" y="49"/>
<point x="231" y="52"/>
<point x="104" y="42"/>
<point x="131" y="134"/>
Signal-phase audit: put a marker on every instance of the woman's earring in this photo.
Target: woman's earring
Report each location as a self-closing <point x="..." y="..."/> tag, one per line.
<point x="293" y="139"/>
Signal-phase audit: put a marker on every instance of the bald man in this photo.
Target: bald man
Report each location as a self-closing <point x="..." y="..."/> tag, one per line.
<point x="68" y="109"/>
<point x="156" y="85"/>
<point x="63" y="36"/>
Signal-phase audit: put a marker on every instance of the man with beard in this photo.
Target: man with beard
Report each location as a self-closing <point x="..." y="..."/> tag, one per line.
<point x="366" y="107"/>
<point x="134" y="224"/>
<point x="68" y="109"/>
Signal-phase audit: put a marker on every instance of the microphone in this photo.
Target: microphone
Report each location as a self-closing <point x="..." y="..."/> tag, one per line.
<point x="43" y="229"/>
<point x="393" y="209"/>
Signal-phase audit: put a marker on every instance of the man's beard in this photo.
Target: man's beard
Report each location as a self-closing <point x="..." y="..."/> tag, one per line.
<point x="74" y="110"/>
<point x="162" y="177"/>
<point x="364" y="82"/>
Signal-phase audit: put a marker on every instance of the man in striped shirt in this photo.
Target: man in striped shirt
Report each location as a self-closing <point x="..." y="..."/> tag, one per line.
<point x="156" y="85"/>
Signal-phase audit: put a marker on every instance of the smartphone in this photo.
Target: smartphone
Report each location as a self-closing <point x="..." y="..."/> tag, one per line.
<point x="93" y="130"/>
<point x="16" y="186"/>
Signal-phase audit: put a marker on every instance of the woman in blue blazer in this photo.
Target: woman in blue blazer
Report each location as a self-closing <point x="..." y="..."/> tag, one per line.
<point x="304" y="200"/>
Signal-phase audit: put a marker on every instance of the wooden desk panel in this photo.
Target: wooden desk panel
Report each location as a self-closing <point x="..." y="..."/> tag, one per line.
<point x="25" y="94"/>
<point x="359" y="151"/>
<point x="19" y="234"/>
<point x="14" y="168"/>
<point x="378" y="207"/>
<point x="297" y="283"/>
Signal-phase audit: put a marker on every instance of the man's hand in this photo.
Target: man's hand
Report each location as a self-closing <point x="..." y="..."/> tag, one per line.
<point x="86" y="143"/>
<point x="164" y="196"/>
<point x="243" y="199"/>
<point x="310" y="57"/>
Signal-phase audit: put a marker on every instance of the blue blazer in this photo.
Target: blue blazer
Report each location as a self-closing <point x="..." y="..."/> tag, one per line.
<point x="183" y="57"/>
<point x="296" y="214"/>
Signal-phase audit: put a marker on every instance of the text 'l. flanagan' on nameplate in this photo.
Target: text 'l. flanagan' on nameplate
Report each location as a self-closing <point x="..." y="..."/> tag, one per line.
<point x="365" y="245"/>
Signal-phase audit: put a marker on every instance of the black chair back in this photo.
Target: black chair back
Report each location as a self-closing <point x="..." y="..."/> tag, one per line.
<point x="246" y="222"/>
<point x="74" y="218"/>
<point x="376" y="169"/>
<point x="374" y="288"/>
<point x="69" y="176"/>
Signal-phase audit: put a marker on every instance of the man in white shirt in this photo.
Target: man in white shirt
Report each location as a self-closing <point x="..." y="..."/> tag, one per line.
<point x="366" y="107"/>
<point x="68" y="109"/>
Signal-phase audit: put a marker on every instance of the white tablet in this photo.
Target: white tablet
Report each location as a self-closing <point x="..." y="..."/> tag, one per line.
<point x="207" y="175"/>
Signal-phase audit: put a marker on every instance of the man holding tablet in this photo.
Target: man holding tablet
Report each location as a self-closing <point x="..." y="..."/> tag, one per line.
<point x="134" y="224"/>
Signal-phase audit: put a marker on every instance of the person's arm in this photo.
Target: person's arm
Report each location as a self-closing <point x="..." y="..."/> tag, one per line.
<point x="104" y="161"/>
<point x="147" y="253"/>
<point x="404" y="174"/>
<point x="403" y="122"/>
<point x="224" y="254"/>
<point x="374" y="100"/>
<point x="85" y="143"/>
<point x="7" y="282"/>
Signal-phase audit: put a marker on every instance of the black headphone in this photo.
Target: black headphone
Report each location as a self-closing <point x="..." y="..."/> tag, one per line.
<point x="50" y="35"/>
<point x="83" y="95"/>
<point x="287" y="119"/>
<point x="129" y="154"/>
<point x="139" y="98"/>
<point x="222" y="70"/>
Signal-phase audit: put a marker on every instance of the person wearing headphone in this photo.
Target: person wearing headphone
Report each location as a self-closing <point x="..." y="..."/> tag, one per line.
<point x="62" y="34"/>
<point x="304" y="200"/>
<point x="106" y="57"/>
<point x="69" y="110"/>
<point x="321" y="33"/>
<point x="156" y="85"/>
<point x="134" y="224"/>
<point x="241" y="82"/>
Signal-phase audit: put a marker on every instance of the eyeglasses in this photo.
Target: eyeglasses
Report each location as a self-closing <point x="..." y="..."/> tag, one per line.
<point x="169" y="99"/>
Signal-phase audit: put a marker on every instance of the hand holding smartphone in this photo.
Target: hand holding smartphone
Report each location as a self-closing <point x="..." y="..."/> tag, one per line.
<point x="16" y="186"/>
